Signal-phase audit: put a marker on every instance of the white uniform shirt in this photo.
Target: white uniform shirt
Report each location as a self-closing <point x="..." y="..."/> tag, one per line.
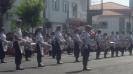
<point x="113" y="38"/>
<point x="70" y="42"/>
<point x="77" y="38"/>
<point x="86" y="39"/>
<point x="4" y="41"/>
<point x="99" y="38"/>
<point x="59" y="36"/>
<point x="40" y="40"/>
<point x="19" y="33"/>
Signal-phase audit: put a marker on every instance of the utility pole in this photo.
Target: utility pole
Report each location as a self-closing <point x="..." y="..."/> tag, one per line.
<point x="88" y="8"/>
<point x="91" y="13"/>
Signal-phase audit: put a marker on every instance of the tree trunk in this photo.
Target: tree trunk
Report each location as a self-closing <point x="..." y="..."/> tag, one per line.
<point x="1" y="21"/>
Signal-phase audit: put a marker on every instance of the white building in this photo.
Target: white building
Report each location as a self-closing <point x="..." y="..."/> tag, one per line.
<point x="115" y="18"/>
<point x="60" y="12"/>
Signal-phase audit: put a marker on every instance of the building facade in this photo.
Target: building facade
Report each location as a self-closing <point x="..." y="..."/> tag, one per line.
<point x="115" y="18"/>
<point x="60" y="12"/>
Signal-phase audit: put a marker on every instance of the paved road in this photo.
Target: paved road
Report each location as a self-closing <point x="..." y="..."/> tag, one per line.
<point x="119" y="65"/>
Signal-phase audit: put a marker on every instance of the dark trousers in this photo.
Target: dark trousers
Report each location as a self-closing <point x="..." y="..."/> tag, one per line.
<point x="39" y="55"/>
<point x="58" y="56"/>
<point x="117" y="51"/>
<point x="57" y="52"/>
<point x="18" y="59"/>
<point x="85" y="53"/>
<point x="69" y="50"/>
<point x="76" y="50"/>
<point x="105" y="53"/>
<point x="39" y="59"/>
<point x="53" y="53"/>
<point x="130" y="50"/>
<point x="112" y="51"/>
<point x="122" y="51"/>
<point x="98" y="51"/>
<point x="2" y="53"/>
<point x="2" y="56"/>
<point x="28" y="53"/>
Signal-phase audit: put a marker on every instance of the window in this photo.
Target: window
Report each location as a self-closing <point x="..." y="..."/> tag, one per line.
<point x="103" y="25"/>
<point x="75" y="9"/>
<point x="65" y="6"/>
<point x="56" y="5"/>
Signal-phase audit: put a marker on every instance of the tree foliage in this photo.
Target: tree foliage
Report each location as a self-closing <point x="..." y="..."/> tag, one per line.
<point x="31" y="12"/>
<point x="5" y="5"/>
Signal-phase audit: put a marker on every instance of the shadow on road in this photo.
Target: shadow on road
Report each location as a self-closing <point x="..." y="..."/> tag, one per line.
<point x="52" y="65"/>
<point x="9" y="71"/>
<point x="72" y="72"/>
<point x="75" y="72"/>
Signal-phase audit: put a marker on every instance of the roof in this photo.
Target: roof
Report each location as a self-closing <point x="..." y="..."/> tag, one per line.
<point x="109" y="5"/>
<point x="107" y="12"/>
<point x="111" y="8"/>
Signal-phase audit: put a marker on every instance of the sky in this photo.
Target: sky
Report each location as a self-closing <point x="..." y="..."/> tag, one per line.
<point x="123" y="2"/>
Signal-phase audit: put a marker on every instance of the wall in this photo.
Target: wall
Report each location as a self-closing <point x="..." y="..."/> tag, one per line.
<point x="113" y="23"/>
<point x="82" y="9"/>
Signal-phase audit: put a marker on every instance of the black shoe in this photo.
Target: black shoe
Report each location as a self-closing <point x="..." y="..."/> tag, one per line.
<point x="77" y="61"/>
<point x="3" y="62"/>
<point x="86" y="69"/>
<point x="41" y="66"/>
<point x="59" y="62"/>
<point x="19" y="69"/>
<point x="27" y="60"/>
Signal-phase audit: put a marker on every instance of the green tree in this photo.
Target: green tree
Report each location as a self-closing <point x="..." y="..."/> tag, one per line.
<point x="31" y="13"/>
<point x="5" y="5"/>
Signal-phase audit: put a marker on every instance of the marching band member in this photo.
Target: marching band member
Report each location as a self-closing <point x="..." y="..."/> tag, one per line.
<point x="53" y="44"/>
<point x="3" y="45"/>
<point x="122" y="43"/>
<point x="117" y="46"/>
<point x="105" y="44"/>
<point x="99" y="42"/>
<point x="59" y="44"/>
<point x="86" y="45"/>
<point x="77" y="43"/>
<point x="129" y="41"/>
<point x="39" y="46"/>
<point x="18" y="52"/>
<point x="18" y="45"/>
<point x="70" y="44"/>
<point x="112" y="47"/>
<point x="27" y="47"/>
